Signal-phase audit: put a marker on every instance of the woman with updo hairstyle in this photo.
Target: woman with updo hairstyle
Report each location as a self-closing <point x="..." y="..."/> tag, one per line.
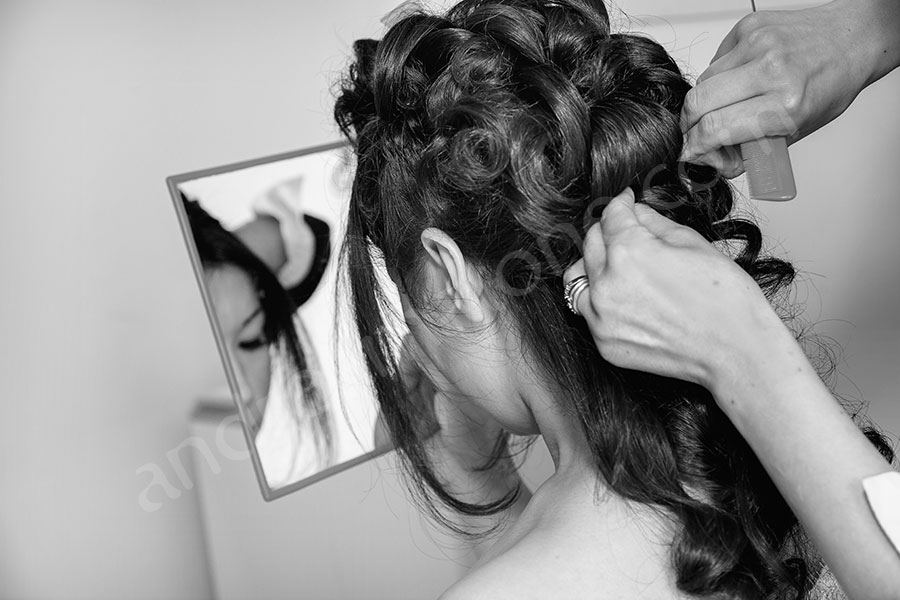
<point x="488" y="140"/>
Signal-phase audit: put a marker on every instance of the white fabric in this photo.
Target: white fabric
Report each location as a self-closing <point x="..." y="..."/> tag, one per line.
<point x="883" y="493"/>
<point x="279" y="204"/>
<point x="284" y="442"/>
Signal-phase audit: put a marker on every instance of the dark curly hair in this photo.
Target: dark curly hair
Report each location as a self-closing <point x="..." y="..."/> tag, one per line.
<point x="506" y="123"/>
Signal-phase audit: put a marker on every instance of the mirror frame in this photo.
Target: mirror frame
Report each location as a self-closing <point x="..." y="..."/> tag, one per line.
<point x="173" y="182"/>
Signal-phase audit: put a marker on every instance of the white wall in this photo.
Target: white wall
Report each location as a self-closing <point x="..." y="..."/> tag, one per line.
<point x="105" y="342"/>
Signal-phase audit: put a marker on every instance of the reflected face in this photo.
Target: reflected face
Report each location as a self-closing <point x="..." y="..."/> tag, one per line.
<point x="243" y="325"/>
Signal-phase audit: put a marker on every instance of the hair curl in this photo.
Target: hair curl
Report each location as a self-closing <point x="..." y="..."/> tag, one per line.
<point x="502" y="123"/>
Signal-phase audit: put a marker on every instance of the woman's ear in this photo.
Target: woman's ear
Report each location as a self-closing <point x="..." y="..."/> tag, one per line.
<point x="453" y="278"/>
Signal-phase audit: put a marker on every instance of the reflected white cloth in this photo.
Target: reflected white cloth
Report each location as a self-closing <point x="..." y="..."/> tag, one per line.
<point x="883" y="494"/>
<point x="281" y="203"/>
<point x="284" y="442"/>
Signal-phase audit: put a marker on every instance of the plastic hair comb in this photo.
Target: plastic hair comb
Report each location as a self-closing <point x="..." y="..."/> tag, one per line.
<point x="768" y="166"/>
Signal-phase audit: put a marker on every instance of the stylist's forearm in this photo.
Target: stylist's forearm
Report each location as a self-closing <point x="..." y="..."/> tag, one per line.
<point x="884" y="33"/>
<point x="876" y="29"/>
<point x="769" y="394"/>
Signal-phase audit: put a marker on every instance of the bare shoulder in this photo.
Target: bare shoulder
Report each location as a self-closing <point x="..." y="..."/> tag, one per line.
<point x="561" y="564"/>
<point x="496" y="580"/>
<point x="533" y="568"/>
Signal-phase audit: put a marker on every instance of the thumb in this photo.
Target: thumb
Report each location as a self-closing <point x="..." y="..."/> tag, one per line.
<point x="654" y="222"/>
<point x="618" y="216"/>
<point x="667" y="230"/>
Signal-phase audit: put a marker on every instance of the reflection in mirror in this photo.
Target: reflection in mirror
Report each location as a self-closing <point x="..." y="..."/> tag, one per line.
<point x="264" y="237"/>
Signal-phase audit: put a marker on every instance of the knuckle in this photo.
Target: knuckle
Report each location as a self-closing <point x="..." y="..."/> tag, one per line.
<point x="747" y="25"/>
<point x="710" y="127"/>
<point x="775" y="65"/>
<point x="792" y="99"/>
<point x="619" y="255"/>
<point x="762" y="38"/>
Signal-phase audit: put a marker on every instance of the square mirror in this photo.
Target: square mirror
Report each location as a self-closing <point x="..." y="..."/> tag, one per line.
<point x="264" y="238"/>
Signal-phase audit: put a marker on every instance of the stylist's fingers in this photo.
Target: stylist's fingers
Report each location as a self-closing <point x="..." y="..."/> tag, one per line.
<point x="753" y="119"/>
<point x="723" y="63"/>
<point x="594" y="250"/>
<point x="729" y="56"/>
<point x="721" y="90"/>
<point x="656" y="223"/>
<point x="733" y="51"/>
<point x="618" y="216"/>
<point x="727" y="161"/>
<point x="727" y="45"/>
<point x="666" y="229"/>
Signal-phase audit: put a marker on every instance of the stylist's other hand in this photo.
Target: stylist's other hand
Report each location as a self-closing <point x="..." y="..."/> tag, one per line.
<point x="787" y="73"/>
<point x="663" y="300"/>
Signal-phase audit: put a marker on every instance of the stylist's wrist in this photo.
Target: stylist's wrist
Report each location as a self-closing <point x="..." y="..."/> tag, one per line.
<point x="878" y="35"/>
<point x="760" y="347"/>
<point x="867" y="31"/>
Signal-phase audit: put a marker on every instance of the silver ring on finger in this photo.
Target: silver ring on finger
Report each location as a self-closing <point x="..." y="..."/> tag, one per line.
<point x="573" y="289"/>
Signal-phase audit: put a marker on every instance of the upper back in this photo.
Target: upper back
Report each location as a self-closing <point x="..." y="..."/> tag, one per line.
<point x="567" y="549"/>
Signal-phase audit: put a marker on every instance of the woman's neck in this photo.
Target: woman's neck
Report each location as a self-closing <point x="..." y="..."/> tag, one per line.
<point x="559" y="426"/>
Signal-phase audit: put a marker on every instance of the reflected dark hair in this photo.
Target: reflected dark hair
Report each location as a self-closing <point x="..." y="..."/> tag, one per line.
<point x="506" y="124"/>
<point x="218" y="247"/>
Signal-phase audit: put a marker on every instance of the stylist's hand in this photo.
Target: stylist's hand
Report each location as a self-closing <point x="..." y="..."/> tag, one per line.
<point x="663" y="300"/>
<point x="787" y="73"/>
